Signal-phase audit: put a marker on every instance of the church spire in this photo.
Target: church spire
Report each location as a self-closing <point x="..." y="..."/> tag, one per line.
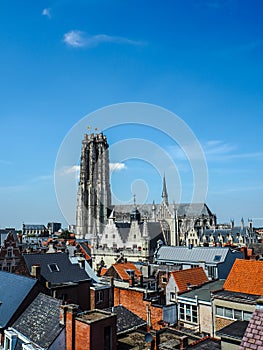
<point x="164" y="193"/>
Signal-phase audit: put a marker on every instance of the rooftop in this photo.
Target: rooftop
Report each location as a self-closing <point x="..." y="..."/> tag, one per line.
<point x="93" y="316"/>
<point x="13" y="290"/>
<point x="126" y="320"/>
<point x="203" y="292"/>
<point x="56" y="268"/>
<point x="236" y="297"/>
<point x="253" y="337"/>
<point x="189" y="277"/>
<point x="40" y="321"/>
<point x="241" y="275"/>
<point x="212" y="255"/>
<point x="234" y="330"/>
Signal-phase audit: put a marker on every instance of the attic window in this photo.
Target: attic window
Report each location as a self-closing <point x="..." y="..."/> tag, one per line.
<point x="53" y="267"/>
<point x="217" y="257"/>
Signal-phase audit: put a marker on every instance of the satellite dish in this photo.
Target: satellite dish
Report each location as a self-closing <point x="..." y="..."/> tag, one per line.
<point x="148" y="337"/>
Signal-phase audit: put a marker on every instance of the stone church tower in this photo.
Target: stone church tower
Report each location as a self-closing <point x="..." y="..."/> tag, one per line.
<point x="94" y="196"/>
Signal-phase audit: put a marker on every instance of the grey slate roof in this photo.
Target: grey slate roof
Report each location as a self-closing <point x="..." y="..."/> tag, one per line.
<point x="67" y="272"/>
<point x="40" y="321"/>
<point x="203" y="292"/>
<point x="205" y="344"/>
<point x="188" y="209"/>
<point x="236" y="297"/>
<point x="234" y="330"/>
<point x="154" y="229"/>
<point x="126" y="320"/>
<point x="214" y="255"/>
<point x="13" y="290"/>
<point x="91" y="273"/>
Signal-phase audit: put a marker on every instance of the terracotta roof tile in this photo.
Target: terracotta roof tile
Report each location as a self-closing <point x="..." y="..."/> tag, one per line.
<point x="103" y="271"/>
<point x="245" y="277"/>
<point x="121" y="269"/>
<point x="194" y="277"/>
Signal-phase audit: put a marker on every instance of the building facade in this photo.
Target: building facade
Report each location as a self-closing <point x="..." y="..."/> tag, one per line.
<point x="98" y="220"/>
<point x="94" y="196"/>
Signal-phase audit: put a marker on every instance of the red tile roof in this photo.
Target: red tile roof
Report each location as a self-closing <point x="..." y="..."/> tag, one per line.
<point x="245" y="277"/>
<point x="121" y="269"/>
<point x="194" y="277"/>
<point x="103" y="271"/>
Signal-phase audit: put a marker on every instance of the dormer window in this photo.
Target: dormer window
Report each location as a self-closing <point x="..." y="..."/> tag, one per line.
<point x="10" y="252"/>
<point x="53" y="267"/>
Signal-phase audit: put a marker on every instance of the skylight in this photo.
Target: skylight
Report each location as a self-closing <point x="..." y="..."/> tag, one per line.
<point x="53" y="267"/>
<point x="217" y="257"/>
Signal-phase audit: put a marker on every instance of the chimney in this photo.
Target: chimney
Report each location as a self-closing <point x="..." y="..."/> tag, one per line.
<point x="131" y="281"/>
<point x="62" y="315"/>
<point x="35" y="271"/>
<point x="183" y="342"/>
<point x="81" y="262"/>
<point x="69" y="316"/>
<point x="141" y="281"/>
<point x="111" y="292"/>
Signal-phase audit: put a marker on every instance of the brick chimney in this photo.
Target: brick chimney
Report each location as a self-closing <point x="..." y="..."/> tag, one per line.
<point x="67" y="317"/>
<point x="35" y="271"/>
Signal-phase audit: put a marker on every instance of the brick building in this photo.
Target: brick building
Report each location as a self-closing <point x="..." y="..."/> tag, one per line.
<point x="89" y="330"/>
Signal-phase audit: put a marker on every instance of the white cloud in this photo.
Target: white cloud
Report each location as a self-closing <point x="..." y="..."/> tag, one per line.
<point x="46" y="12"/>
<point x="215" y="147"/>
<point x="117" y="166"/>
<point x="71" y="170"/>
<point x="77" y="38"/>
<point x="41" y="178"/>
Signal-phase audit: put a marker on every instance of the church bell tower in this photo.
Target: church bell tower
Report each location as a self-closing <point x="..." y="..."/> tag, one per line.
<point x="94" y="196"/>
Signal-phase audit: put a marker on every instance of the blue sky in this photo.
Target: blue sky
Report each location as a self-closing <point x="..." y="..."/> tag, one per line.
<point x="62" y="60"/>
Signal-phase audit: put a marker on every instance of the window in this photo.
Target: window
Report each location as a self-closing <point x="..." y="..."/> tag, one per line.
<point x="247" y="315"/>
<point x="188" y="312"/>
<point x="53" y="267"/>
<point x="107" y="338"/>
<point x="9" y="252"/>
<point x="212" y="271"/>
<point x="172" y="296"/>
<point x="8" y="267"/>
<point x="233" y="314"/>
<point x="238" y="315"/>
<point x="219" y="311"/>
<point x="164" y="279"/>
<point x="217" y="257"/>
<point x="100" y="296"/>
<point x="228" y="313"/>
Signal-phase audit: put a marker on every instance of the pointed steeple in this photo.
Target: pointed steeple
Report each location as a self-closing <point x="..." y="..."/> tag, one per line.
<point x="164" y="193"/>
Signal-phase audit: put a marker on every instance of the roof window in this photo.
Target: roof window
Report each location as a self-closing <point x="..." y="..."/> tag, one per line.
<point x="53" y="267"/>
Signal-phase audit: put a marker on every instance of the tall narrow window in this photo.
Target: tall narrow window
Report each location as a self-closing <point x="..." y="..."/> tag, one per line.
<point x="107" y="338"/>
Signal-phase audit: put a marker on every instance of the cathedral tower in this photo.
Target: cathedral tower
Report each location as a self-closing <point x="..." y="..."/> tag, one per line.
<point x="94" y="196"/>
